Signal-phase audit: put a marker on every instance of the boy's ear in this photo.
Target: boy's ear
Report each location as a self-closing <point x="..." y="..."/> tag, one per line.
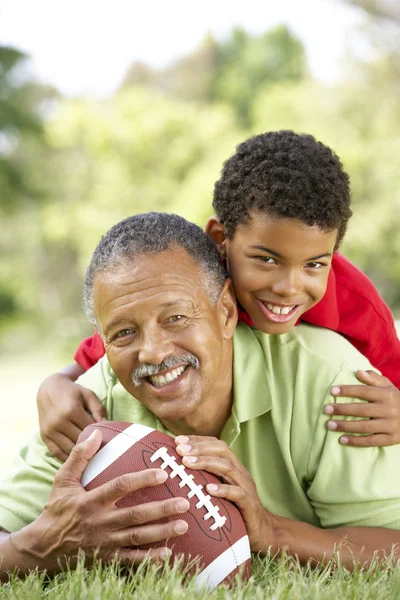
<point x="228" y="310"/>
<point x="216" y="231"/>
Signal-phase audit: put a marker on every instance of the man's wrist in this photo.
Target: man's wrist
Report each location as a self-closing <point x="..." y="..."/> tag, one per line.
<point x="30" y="546"/>
<point x="271" y="534"/>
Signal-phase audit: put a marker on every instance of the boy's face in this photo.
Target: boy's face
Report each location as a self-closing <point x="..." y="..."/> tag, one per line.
<point x="279" y="268"/>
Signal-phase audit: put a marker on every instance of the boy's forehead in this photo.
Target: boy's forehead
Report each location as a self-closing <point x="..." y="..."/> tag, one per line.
<point x="262" y="229"/>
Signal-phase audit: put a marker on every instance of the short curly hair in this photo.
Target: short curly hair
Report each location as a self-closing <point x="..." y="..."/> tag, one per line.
<point x="285" y="175"/>
<point x="152" y="233"/>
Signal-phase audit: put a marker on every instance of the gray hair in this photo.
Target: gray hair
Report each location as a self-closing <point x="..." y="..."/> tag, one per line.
<point x="151" y="233"/>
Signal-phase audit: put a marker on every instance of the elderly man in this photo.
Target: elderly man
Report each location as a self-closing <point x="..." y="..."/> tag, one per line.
<point x="244" y="405"/>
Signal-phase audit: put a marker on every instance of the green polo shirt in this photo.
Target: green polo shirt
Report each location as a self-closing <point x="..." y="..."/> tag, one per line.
<point x="277" y="429"/>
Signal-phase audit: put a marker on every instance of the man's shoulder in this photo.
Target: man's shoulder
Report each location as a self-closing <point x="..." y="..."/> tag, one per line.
<point x="314" y="344"/>
<point x="292" y="365"/>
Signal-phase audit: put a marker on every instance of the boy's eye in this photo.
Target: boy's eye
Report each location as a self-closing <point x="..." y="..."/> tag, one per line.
<point x="315" y="265"/>
<point x="266" y="259"/>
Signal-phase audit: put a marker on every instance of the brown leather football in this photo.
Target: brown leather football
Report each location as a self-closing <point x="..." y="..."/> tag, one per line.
<point x="216" y="532"/>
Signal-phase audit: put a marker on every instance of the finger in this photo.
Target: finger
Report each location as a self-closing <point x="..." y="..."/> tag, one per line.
<point x="363" y="392"/>
<point x="151" y="511"/>
<point x="373" y="378"/>
<point x="366" y="426"/>
<point x="356" y="409"/>
<point x="66" y="439"/>
<point x="78" y="460"/>
<point x="94" y="406"/>
<point x="80" y="418"/>
<point x="211" y="447"/>
<point x="188" y="439"/>
<point x="367" y="441"/>
<point x="149" y="534"/>
<point x="117" y="488"/>
<point x="54" y="449"/>
<point x="233" y="493"/>
<point x="221" y="467"/>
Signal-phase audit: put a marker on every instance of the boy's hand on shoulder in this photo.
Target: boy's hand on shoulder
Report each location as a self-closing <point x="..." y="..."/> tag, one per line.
<point x="62" y="406"/>
<point x="380" y="415"/>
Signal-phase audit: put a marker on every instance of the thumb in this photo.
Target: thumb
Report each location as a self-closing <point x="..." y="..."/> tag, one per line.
<point x="372" y="378"/>
<point x="80" y="455"/>
<point x="94" y="406"/>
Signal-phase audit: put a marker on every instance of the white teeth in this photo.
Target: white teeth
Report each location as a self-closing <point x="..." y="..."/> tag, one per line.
<point x="160" y="380"/>
<point x="279" y="311"/>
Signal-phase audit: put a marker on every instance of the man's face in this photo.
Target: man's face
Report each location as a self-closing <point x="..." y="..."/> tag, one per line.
<point x="279" y="269"/>
<point x="165" y="342"/>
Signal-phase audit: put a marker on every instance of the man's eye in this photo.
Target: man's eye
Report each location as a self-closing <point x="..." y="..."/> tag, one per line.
<point x="315" y="265"/>
<point x="124" y="333"/>
<point x="175" y="318"/>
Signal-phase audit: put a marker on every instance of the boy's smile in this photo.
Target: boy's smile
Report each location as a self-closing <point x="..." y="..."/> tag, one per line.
<point x="279" y="269"/>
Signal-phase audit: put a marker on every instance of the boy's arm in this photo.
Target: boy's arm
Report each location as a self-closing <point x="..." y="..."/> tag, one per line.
<point x="64" y="406"/>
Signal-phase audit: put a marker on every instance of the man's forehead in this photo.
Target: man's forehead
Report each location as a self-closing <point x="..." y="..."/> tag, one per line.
<point x="173" y="272"/>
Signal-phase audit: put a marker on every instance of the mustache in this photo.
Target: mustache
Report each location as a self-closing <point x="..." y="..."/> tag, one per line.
<point x="147" y="370"/>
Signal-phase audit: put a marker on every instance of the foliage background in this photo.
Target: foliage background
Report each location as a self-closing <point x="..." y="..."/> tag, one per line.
<point x="72" y="167"/>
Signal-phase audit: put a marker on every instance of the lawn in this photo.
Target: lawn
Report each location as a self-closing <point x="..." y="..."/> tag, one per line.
<point x="271" y="580"/>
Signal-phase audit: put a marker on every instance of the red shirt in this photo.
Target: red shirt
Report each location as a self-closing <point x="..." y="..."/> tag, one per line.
<point x="351" y="306"/>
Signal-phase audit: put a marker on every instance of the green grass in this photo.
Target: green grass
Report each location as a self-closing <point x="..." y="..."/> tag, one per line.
<point x="271" y="580"/>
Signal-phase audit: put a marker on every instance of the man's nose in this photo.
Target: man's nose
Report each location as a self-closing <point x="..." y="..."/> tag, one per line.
<point x="289" y="283"/>
<point x="154" y="346"/>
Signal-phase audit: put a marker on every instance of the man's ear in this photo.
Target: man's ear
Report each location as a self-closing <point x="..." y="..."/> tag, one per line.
<point x="227" y="309"/>
<point x="216" y="231"/>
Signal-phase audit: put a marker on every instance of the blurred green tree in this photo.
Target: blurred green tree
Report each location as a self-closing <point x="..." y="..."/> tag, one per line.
<point x="231" y="71"/>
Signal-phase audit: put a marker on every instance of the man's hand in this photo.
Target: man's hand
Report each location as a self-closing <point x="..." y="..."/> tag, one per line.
<point x="62" y="407"/>
<point x="74" y="518"/>
<point x="238" y="486"/>
<point x="380" y="416"/>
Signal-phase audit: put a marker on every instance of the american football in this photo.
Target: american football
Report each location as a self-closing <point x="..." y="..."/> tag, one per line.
<point x="216" y="532"/>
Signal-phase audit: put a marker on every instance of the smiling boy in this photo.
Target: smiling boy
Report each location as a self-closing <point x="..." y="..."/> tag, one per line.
<point x="282" y="205"/>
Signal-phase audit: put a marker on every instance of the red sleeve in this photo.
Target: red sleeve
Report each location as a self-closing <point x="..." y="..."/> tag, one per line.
<point x="89" y="351"/>
<point x="353" y="307"/>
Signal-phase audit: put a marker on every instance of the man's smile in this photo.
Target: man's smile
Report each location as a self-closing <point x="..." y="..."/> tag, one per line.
<point x="163" y="379"/>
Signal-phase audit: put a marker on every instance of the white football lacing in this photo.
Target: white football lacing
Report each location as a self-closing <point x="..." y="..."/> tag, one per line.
<point x="195" y="490"/>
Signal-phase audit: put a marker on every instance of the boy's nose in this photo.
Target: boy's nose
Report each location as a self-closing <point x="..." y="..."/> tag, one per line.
<point x="288" y="285"/>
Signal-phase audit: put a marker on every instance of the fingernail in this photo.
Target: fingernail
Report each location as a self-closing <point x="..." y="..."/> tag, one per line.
<point x="165" y="553"/>
<point x="91" y="436"/>
<point x="212" y="487"/>
<point x="104" y="419"/>
<point x="184" y="448"/>
<point x="190" y="459"/>
<point x="181" y="439"/>
<point x="335" y="390"/>
<point x="182" y="505"/>
<point x="161" y="476"/>
<point x="344" y="440"/>
<point x="181" y="527"/>
<point x="332" y="425"/>
<point x="328" y="410"/>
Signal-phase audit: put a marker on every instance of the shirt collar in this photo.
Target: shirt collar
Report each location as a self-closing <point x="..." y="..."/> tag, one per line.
<point x="251" y="381"/>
